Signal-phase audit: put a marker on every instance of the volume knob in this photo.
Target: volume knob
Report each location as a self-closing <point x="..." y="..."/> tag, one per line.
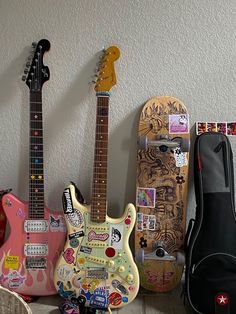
<point x="110" y="263"/>
<point x="121" y="269"/>
<point x="130" y="278"/>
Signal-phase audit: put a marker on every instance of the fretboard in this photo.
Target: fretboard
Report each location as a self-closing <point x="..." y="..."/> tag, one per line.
<point x="99" y="189"/>
<point x="36" y="175"/>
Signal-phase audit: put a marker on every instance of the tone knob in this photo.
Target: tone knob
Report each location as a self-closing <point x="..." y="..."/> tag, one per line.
<point x="130" y="278"/>
<point x="121" y="269"/>
<point x="110" y="263"/>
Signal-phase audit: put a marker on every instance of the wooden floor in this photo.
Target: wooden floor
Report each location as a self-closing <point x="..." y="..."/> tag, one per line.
<point x="170" y="303"/>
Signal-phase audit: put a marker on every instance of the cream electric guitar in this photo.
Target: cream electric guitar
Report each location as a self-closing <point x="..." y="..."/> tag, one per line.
<point x="37" y="235"/>
<point x="97" y="266"/>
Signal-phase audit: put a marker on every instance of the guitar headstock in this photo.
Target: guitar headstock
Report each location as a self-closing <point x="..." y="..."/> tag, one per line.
<point x="36" y="73"/>
<point x="106" y="77"/>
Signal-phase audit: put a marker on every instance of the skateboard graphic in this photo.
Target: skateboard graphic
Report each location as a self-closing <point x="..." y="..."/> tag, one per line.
<point x="161" y="195"/>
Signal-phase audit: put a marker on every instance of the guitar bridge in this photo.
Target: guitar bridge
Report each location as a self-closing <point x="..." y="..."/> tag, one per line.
<point x="36" y="263"/>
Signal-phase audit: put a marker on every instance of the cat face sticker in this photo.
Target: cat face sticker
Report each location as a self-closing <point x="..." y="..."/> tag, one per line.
<point x="56" y="223"/>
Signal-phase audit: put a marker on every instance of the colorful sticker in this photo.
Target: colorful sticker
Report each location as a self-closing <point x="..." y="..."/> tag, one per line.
<point x="231" y="128"/>
<point x="222" y="127"/>
<point x="151" y="222"/>
<point x="178" y="123"/>
<point x="69" y="307"/>
<point x="116" y="237"/>
<point x="139" y="222"/>
<point x="181" y="159"/>
<point x="99" y="299"/>
<point x="145" y="222"/>
<point x="211" y="126"/>
<point x="65" y="293"/>
<point x="68" y="256"/>
<point x="146" y="197"/>
<point x="227" y="128"/>
<point x="115" y="299"/>
<point x="92" y="235"/>
<point x="12" y="262"/>
<point x="15" y="280"/>
<point x="65" y="272"/>
<point x="201" y="127"/>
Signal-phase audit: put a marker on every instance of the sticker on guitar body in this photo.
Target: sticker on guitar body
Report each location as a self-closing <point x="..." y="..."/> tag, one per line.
<point x="67" y="202"/>
<point x="116" y="237"/>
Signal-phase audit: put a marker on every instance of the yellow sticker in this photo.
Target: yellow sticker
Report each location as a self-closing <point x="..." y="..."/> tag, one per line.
<point x="12" y="262"/>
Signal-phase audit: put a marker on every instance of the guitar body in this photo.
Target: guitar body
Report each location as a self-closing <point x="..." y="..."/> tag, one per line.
<point x="31" y="275"/>
<point x="96" y="264"/>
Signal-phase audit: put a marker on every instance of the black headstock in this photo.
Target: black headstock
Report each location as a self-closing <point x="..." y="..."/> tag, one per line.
<point x="36" y="73"/>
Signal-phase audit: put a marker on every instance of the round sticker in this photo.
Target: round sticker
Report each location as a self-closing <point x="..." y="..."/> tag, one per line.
<point x="115" y="298"/>
<point x="64" y="272"/>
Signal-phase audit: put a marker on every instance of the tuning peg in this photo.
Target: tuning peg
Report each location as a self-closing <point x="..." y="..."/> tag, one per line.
<point x="28" y="64"/>
<point x="26" y="71"/>
<point x="34" y="44"/>
<point x="23" y="78"/>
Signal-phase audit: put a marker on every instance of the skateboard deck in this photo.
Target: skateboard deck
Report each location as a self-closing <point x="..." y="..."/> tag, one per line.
<point x="161" y="195"/>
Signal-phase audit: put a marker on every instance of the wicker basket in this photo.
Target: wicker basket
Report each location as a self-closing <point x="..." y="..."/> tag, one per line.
<point x="12" y="303"/>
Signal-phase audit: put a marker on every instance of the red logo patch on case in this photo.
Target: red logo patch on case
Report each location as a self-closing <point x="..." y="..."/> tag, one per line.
<point x="222" y="299"/>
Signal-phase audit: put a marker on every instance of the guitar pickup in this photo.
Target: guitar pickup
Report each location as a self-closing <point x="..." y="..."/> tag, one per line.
<point x="36" y="263"/>
<point x="36" y="249"/>
<point x="35" y="226"/>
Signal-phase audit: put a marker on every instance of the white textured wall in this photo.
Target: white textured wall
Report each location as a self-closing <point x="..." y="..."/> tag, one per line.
<point x="183" y="48"/>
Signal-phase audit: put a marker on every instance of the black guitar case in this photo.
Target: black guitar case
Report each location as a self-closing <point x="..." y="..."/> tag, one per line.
<point x="211" y="245"/>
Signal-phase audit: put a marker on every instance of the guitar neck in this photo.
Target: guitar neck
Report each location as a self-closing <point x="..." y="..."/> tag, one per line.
<point x="36" y="179"/>
<point x="99" y="189"/>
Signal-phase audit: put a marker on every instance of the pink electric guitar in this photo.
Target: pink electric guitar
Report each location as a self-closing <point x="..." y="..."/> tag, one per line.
<point x="37" y="235"/>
